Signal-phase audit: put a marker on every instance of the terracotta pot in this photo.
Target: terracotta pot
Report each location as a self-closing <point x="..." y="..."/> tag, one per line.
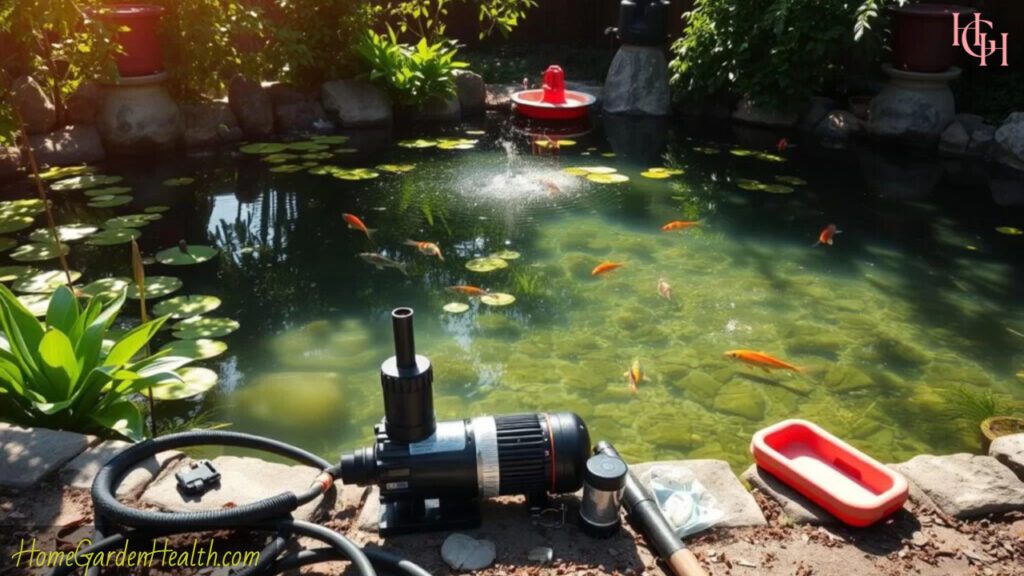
<point x="136" y="26"/>
<point x="996" y="426"/>
<point x="923" y="36"/>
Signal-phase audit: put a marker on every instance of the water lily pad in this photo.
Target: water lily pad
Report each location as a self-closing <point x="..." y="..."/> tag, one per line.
<point x="576" y="171"/>
<point x="156" y="209"/>
<point x="7" y="243"/>
<point x="332" y="139"/>
<point x="791" y="180"/>
<point x="554" y="143"/>
<point x="355" y="174"/>
<point x="23" y="207"/>
<point x="66" y="233"/>
<point x="130" y="221"/>
<point x="497" y="299"/>
<point x="106" y="289"/>
<point x="58" y="172"/>
<point x="608" y="178"/>
<point x="201" y="349"/>
<point x="14" y="222"/>
<point x="186" y="306"/>
<point x="706" y="150"/>
<point x="396" y="168"/>
<point x="1009" y="230"/>
<point x="204" y="327"/>
<point x="44" y="282"/>
<point x="324" y="170"/>
<point x="194" y="381"/>
<point x="308" y="146"/>
<point x="287" y="168"/>
<point x="84" y="181"/>
<point x="600" y="170"/>
<point x="655" y="174"/>
<point x="506" y="255"/>
<point x="109" y="201"/>
<point x="418" y="143"/>
<point x="476" y="133"/>
<point x="346" y="150"/>
<point x="37" y="304"/>
<point x="280" y="157"/>
<point x="456" y="144"/>
<point x="455" y="307"/>
<point x="108" y="191"/>
<point x="38" y="251"/>
<point x="609" y="154"/>
<point x="113" y="236"/>
<point x="316" y="156"/>
<point x="489" y="264"/>
<point x="176" y="182"/>
<point x="11" y="273"/>
<point x="263" y="148"/>
<point x="742" y="152"/>
<point x="193" y="254"/>
<point x="156" y="287"/>
<point x="765" y="156"/>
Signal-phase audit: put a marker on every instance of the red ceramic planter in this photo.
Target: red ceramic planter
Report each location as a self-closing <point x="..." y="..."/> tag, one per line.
<point x="923" y="36"/>
<point x="137" y="34"/>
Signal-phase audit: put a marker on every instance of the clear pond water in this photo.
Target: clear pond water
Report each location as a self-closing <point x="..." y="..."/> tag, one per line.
<point x="907" y="322"/>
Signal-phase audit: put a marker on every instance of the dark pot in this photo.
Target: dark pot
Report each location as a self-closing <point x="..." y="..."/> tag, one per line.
<point x="923" y="36"/>
<point x="136" y="26"/>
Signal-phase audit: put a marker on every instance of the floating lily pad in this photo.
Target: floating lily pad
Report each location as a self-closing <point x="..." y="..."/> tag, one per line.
<point x="497" y="299"/>
<point x="791" y="180"/>
<point x="280" y="157"/>
<point x="44" y="282"/>
<point x="156" y="287"/>
<point x="396" y="168"/>
<point x="194" y="381"/>
<point x="187" y="306"/>
<point x="489" y="264"/>
<point x="287" y="168"/>
<point x="765" y="156"/>
<point x="456" y="144"/>
<point x="576" y="171"/>
<point x="85" y="181"/>
<point x="608" y="178"/>
<point x="418" y="143"/>
<point x="556" y="143"/>
<point x="175" y="182"/>
<point x="1009" y="230"/>
<point x="202" y="327"/>
<point x="109" y="201"/>
<point x="324" y="170"/>
<point x="113" y="236"/>
<point x="333" y="139"/>
<point x="308" y="146"/>
<point x="106" y="288"/>
<point x="201" y="349"/>
<point x="355" y="174"/>
<point x="455" y="307"/>
<point x="66" y="233"/>
<point x="193" y="254"/>
<point x="742" y="152"/>
<point x="655" y="174"/>
<point x="770" y="157"/>
<point x="263" y="148"/>
<point x="706" y="150"/>
<point x="476" y="133"/>
<point x="506" y="255"/>
<point x="38" y="251"/>
<point x="757" y="186"/>
<point x="23" y="207"/>
<point x="14" y="222"/>
<point x="108" y="191"/>
<point x="7" y="243"/>
<point x="11" y="273"/>
<point x="316" y="156"/>
<point x="37" y="304"/>
<point x="346" y="150"/>
<point x="600" y="170"/>
<point x="609" y="154"/>
<point x="156" y="209"/>
<point x="58" y="172"/>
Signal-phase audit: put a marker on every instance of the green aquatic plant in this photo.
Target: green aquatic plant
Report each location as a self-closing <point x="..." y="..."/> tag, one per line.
<point x="412" y="75"/>
<point x="970" y="406"/>
<point x="527" y="282"/>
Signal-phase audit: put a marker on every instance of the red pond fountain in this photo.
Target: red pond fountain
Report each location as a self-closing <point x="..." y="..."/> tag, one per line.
<point x="552" y="101"/>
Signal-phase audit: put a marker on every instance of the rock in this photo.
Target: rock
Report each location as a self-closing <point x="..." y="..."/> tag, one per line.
<point x="369" y="514"/>
<point x="981" y="140"/>
<point x="751" y="113"/>
<point x="472" y="92"/>
<point x="463" y="552"/>
<point x="83" y="104"/>
<point x="843" y="378"/>
<point x="35" y="106"/>
<point x="913" y="107"/>
<point x="737" y="504"/>
<point x="31" y="454"/>
<point x="1009" y="142"/>
<point x="69" y="146"/>
<point x="540" y="555"/>
<point x="296" y="111"/>
<point x="817" y="109"/>
<point x="798" y="508"/>
<point x="954" y="140"/>
<point x="436" y="110"/>
<point x="741" y="399"/>
<point x="499" y="96"/>
<point x="700" y="387"/>
<point x="10" y="161"/>
<point x="252" y="107"/>
<point x="80" y="472"/>
<point x="243" y="480"/>
<point x="637" y="82"/>
<point x="356" y="103"/>
<point x="838" y="128"/>
<point x="1009" y="450"/>
<point x="970" y="122"/>
<point x="965" y="485"/>
<point x="209" y="124"/>
<point x="138" y="116"/>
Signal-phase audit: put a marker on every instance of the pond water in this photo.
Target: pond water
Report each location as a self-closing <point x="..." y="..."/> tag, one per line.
<point x="904" y="329"/>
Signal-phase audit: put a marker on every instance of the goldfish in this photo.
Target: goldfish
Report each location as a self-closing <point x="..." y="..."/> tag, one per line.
<point x="827" y="234"/>
<point x="356" y="224"/>
<point x="782" y="145"/>
<point x="635" y="374"/>
<point x="604" y="267"/>
<point x="469" y="290"/>
<point x="760" y="360"/>
<point x="381" y="262"/>
<point x="426" y="248"/>
<point x="664" y="289"/>
<point x="551" y="186"/>
<point x="679" y="225"/>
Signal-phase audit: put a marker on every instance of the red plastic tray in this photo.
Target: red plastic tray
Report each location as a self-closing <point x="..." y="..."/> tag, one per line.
<point x="852" y="486"/>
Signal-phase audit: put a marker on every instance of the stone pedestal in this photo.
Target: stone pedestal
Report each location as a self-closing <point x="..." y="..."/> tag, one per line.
<point x="637" y="82"/>
<point x="138" y="116"/>
<point x="915" y="107"/>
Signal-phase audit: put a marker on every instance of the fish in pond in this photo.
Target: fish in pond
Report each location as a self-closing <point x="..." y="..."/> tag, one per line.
<point x="664" y="289"/>
<point x="827" y="234"/>
<point x="634" y="375"/>
<point x="760" y="360"/>
<point x="426" y="248"/>
<point x="782" y="145"/>
<point x="551" y="186"/>
<point x="469" y="290"/>
<point x="679" y="225"/>
<point x="356" y="224"/>
<point x="381" y="262"/>
<point x="605" y="267"/>
<point x="183" y="246"/>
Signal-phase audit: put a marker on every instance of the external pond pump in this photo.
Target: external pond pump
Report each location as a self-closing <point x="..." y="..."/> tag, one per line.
<point x="432" y="475"/>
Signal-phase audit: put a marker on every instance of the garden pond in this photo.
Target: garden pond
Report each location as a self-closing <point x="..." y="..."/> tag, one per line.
<point x="907" y="330"/>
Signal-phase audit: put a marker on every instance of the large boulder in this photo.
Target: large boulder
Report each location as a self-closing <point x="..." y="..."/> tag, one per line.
<point x="965" y="485"/>
<point x="838" y="128"/>
<point x="637" y="82"/>
<point x="296" y="111"/>
<point x="1009" y="450"/>
<point x="69" y="146"/>
<point x="752" y="113"/>
<point x="34" y="105"/>
<point x="1009" y="142"/>
<point x="83" y="104"/>
<point x="10" y="161"/>
<point x="913" y="108"/>
<point x="954" y="140"/>
<point x="981" y="140"/>
<point x="817" y="109"/>
<point x="138" y="116"/>
<point x="356" y="104"/>
<point x="209" y="124"/>
<point x="499" y="96"/>
<point x="252" y="107"/>
<point x="472" y="92"/>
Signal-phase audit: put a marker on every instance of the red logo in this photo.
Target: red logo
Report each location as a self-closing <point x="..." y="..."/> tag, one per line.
<point x="980" y="46"/>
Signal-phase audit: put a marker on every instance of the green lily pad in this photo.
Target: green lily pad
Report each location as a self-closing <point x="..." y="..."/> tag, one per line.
<point x="193" y="254"/>
<point x="608" y="154"/>
<point x="156" y="287"/>
<point x="156" y="209"/>
<point x="506" y="255"/>
<point x="175" y="182"/>
<point x="757" y="186"/>
<point x="66" y="233"/>
<point x="324" y="170"/>
<point x="23" y="207"/>
<point x="84" y="181"/>
<point x="130" y="221"/>
<point x="287" y="168"/>
<point x="201" y="349"/>
<point x="108" y="191"/>
<point x="186" y="306"/>
<point x="456" y="144"/>
<point x="608" y="178"/>
<point x="280" y="157"/>
<point x="600" y="170"/>
<point x="396" y="168"/>
<point x="355" y="174"/>
<point x="455" y="307"/>
<point x="488" y="264"/>
<point x="317" y="156"/>
<point x="656" y="175"/>
<point x="418" y="143"/>
<point x="58" y="172"/>
<point x="109" y="201"/>
<point x="44" y="282"/>
<point x="263" y="148"/>
<point x="203" y="327"/>
<point x="14" y="222"/>
<point x="332" y="139"/>
<point x="11" y="273"/>
<point x="194" y="381"/>
<point x="706" y="150"/>
<point x="770" y="157"/>
<point x="7" y="243"/>
<point x="106" y="289"/>
<point x="566" y="143"/>
<point x="38" y="251"/>
<point x="1009" y="230"/>
<point x="309" y="146"/>
<point x="345" y="150"/>
<point x="791" y="180"/>
<point x="37" y="304"/>
<point x="113" y="236"/>
<point x="497" y="299"/>
<point x="742" y="152"/>
<point x="576" y="171"/>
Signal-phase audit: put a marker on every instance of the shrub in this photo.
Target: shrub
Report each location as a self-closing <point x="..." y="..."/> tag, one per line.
<point x="308" y="38"/>
<point x="412" y="75"/>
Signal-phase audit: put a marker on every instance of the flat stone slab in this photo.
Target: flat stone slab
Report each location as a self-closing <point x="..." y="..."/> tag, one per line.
<point x="80" y="472"/>
<point x="1009" y="450"/>
<point x="965" y="485"/>
<point x="795" y="506"/>
<point x="31" y="454"/>
<point x="243" y="481"/>
<point x="736" y="502"/>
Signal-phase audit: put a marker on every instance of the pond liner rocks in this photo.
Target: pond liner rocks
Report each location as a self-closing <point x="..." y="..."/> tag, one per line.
<point x="36" y="109"/>
<point x="356" y="104"/>
<point x="252" y="107"/>
<point x="138" y="116"/>
<point x="209" y="124"/>
<point x="68" y="146"/>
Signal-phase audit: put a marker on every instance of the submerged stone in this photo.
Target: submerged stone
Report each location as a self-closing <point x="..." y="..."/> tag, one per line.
<point x="741" y="399"/>
<point x="846" y="378"/>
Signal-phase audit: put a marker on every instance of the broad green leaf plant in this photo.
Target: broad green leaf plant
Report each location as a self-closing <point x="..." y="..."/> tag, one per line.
<point x="62" y="373"/>
<point x="412" y="75"/>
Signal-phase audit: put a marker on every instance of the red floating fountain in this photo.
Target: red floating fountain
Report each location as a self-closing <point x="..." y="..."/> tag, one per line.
<point x="552" y="101"/>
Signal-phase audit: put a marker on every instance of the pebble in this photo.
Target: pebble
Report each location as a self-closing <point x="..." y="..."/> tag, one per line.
<point x="541" y="554"/>
<point x="463" y="552"/>
<point x="919" y="538"/>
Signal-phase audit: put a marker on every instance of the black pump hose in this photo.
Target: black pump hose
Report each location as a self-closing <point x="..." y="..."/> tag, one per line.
<point x="272" y="514"/>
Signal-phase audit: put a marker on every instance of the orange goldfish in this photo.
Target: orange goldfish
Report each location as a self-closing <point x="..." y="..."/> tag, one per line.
<point x="679" y="225"/>
<point x="760" y="360"/>
<point x="469" y="290"/>
<point x="635" y="374"/>
<point x="782" y="145"/>
<point x="426" y="248"/>
<point x="605" y="267"/>
<point x="356" y="224"/>
<point x="827" y="234"/>
<point x="664" y="289"/>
